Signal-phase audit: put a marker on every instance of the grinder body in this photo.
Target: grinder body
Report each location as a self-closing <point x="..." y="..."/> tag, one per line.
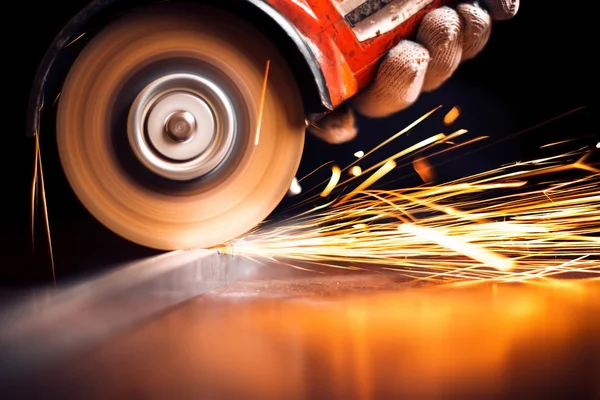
<point x="169" y="128"/>
<point x="349" y="37"/>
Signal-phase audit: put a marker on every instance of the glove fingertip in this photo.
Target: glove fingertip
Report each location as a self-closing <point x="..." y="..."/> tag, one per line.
<point x="398" y="81"/>
<point x="477" y="29"/>
<point x="441" y="31"/>
<point x="501" y="10"/>
<point x="337" y="127"/>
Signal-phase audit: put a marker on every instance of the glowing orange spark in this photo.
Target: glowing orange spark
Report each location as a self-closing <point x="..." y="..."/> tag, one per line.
<point x="456" y="134"/>
<point x="56" y="98"/>
<point x="38" y="178"/>
<point x="336" y="173"/>
<point x="34" y="193"/>
<point x="424" y="169"/>
<point x="556" y="143"/>
<point x="314" y="170"/>
<point x="74" y="40"/>
<point x="452" y="116"/>
<point x="262" y="103"/>
<point x="380" y="173"/>
<point x="356" y="171"/>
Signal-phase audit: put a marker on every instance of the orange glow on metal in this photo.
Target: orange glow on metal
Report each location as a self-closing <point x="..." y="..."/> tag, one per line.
<point x="368" y="337"/>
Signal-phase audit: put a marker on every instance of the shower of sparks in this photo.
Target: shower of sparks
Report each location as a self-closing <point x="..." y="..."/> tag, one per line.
<point x="56" y="98"/>
<point x="518" y="222"/>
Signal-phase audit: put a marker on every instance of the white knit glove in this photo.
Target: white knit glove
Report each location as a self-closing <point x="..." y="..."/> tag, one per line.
<point x="445" y="38"/>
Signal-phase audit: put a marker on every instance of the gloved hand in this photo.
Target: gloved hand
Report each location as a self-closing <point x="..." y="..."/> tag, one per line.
<point x="445" y="38"/>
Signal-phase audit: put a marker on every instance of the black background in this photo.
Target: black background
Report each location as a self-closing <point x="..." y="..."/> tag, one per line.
<point x="535" y="67"/>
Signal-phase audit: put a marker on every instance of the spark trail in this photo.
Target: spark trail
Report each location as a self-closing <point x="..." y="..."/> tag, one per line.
<point x="519" y="222"/>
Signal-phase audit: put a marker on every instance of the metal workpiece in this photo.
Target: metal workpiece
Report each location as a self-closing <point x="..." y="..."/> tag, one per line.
<point x="47" y="326"/>
<point x="269" y="335"/>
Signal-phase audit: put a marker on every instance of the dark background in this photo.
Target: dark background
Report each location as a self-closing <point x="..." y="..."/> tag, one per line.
<point x="535" y="67"/>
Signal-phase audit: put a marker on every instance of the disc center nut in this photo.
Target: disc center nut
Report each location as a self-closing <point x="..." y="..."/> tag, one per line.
<point x="180" y="126"/>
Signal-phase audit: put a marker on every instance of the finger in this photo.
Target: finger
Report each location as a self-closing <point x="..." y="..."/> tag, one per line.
<point x="441" y="33"/>
<point x="502" y="9"/>
<point x="398" y="81"/>
<point x="477" y="29"/>
<point x="337" y="127"/>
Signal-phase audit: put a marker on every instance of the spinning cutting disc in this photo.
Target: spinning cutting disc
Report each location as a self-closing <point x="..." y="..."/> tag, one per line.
<point x="157" y="127"/>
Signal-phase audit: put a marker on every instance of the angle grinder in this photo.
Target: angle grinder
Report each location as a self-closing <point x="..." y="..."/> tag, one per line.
<point x="181" y="124"/>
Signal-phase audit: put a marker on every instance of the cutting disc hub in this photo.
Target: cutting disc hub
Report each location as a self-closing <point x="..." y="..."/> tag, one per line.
<point x="182" y="126"/>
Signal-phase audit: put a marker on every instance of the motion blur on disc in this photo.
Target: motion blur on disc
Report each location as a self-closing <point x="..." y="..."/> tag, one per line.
<point x="158" y="122"/>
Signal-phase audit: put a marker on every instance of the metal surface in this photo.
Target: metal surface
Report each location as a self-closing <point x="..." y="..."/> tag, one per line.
<point x="49" y="326"/>
<point x="243" y="170"/>
<point x="348" y="336"/>
<point x="208" y="135"/>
